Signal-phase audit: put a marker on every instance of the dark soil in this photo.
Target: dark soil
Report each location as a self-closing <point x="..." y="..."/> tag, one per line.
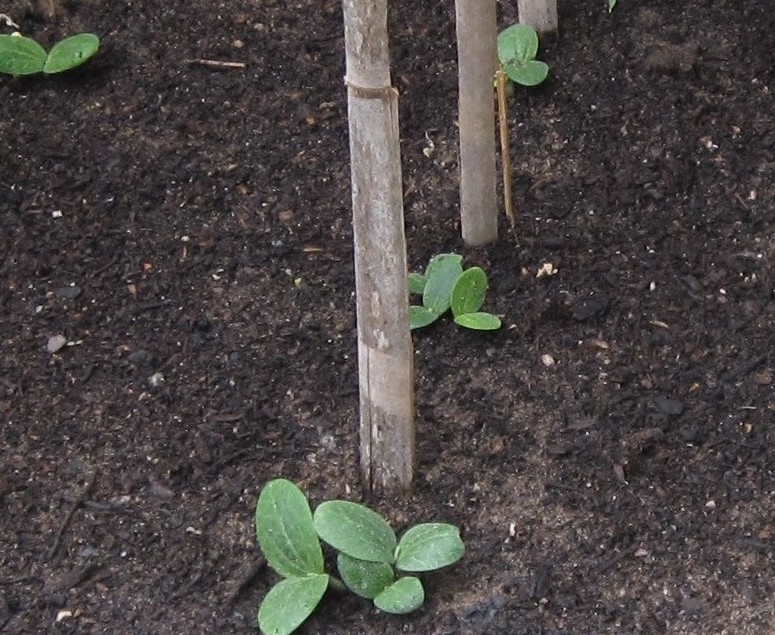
<point x="609" y="454"/>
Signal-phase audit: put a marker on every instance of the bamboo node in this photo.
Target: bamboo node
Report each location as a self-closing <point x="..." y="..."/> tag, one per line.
<point x="370" y="92"/>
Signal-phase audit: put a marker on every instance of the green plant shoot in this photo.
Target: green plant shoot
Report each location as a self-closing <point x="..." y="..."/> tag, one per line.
<point x="517" y="50"/>
<point x="369" y="562"/>
<point x="20" y="55"/>
<point x="286" y="536"/>
<point x="611" y="5"/>
<point x="444" y="286"/>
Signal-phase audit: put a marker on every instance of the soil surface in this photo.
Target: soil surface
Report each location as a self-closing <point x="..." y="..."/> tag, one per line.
<point x="177" y="321"/>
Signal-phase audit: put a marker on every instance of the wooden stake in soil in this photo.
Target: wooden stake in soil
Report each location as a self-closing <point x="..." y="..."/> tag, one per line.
<point x="476" y="41"/>
<point x="385" y="354"/>
<point x="540" y="14"/>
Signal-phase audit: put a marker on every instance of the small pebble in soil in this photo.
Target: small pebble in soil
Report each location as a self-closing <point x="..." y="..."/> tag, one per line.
<point x="156" y="380"/>
<point x="55" y="343"/>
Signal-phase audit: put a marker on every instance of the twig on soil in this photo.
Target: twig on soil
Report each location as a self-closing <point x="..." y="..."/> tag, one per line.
<point x="77" y="503"/>
<point x="508" y="202"/>
<point x="9" y="22"/>
<point x="217" y="63"/>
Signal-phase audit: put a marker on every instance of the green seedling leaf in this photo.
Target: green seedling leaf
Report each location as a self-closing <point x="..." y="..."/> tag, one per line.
<point x="356" y="531"/>
<point x="479" y="321"/>
<point x="367" y="579"/>
<point x="403" y="596"/>
<point x="469" y="291"/>
<point x="517" y="43"/>
<point x="441" y="275"/>
<point x="285" y="531"/>
<point x="440" y="261"/>
<point x="530" y="73"/>
<point x="71" y="52"/>
<point x="419" y="317"/>
<point x="429" y="546"/>
<point x="416" y="283"/>
<point x="290" y="602"/>
<point x="21" y="55"/>
<point x="611" y="5"/>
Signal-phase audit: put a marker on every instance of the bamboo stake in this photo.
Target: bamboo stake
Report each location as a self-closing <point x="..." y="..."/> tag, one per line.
<point x="540" y="14"/>
<point x="476" y="37"/>
<point x="385" y="353"/>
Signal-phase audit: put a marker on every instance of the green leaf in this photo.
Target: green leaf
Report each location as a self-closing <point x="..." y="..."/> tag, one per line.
<point x="528" y="74"/>
<point x="469" y="291"/>
<point x="356" y="530"/>
<point x="416" y="283"/>
<point x="71" y="52"/>
<point x="440" y="261"/>
<point x="517" y="43"/>
<point x="290" y="602"/>
<point x="441" y="275"/>
<point x="611" y="5"/>
<point x="21" y="55"/>
<point x="285" y="531"/>
<point x="367" y="579"/>
<point x="429" y="546"/>
<point x="479" y="321"/>
<point x="419" y="317"/>
<point x="403" y="596"/>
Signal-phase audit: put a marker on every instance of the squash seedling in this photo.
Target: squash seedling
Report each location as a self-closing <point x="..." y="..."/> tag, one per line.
<point x="20" y="55"/>
<point x="446" y="286"/>
<point x="517" y="49"/>
<point x="369" y="560"/>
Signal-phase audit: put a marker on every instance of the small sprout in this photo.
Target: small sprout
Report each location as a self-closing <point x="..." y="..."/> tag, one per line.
<point x="611" y="5"/>
<point x="517" y="50"/>
<point x="444" y="286"/>
<point x="370" y="555"/>
<point x="20" y="55"/>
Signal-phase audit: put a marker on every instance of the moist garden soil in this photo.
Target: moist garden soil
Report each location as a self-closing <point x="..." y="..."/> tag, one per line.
<point x="177" y="321"/>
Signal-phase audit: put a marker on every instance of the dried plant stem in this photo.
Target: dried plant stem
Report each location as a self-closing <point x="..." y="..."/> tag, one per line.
<point x="500" y="83"/>
<point x="217" y="63"/>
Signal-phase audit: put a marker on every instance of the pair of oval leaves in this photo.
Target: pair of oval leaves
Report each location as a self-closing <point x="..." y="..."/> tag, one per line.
<point x="446" y="286"/>
<point x="289" y="536"/>
<point x="517" y="50"/>
<point x="21" y="55"/>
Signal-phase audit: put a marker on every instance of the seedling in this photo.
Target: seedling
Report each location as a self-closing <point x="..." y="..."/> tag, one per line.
<point x="517" y="50"/>
<point x="444" y="286"/>
<point x="369" y="562"/>
<point x="20" y="55"/>
<point x="611" y="5"/>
